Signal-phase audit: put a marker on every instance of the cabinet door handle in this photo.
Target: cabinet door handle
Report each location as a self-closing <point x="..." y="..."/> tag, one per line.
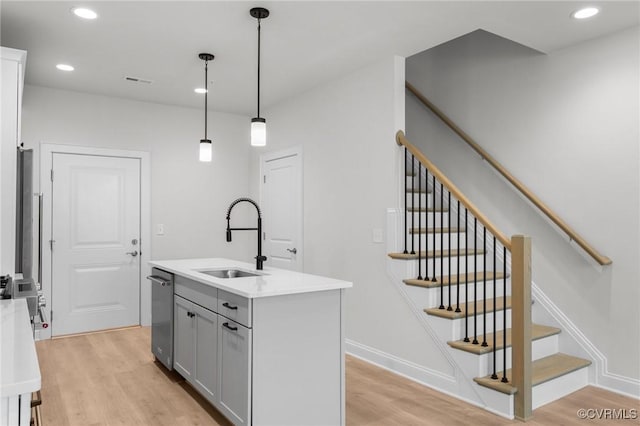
<point x="228" y="306"/>
<point x="191" y="314"/>
<point x="226" y="325"/>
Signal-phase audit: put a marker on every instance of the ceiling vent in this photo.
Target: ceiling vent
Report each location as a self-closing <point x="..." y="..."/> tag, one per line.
<point x="137" y="80"/>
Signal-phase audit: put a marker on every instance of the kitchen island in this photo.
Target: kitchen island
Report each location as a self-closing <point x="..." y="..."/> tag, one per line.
<point x="264" y="347"/>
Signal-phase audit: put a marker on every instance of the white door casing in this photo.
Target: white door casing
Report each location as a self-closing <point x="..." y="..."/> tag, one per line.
<point x="91" y="305"/>
<point x="96" y="262"/>
<point x="282" y="205"/>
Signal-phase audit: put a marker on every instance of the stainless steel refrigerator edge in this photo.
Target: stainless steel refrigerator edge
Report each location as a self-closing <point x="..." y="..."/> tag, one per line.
<point x="162" y="316"/>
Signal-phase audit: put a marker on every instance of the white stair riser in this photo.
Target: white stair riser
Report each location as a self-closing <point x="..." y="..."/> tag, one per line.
<point x="448" y="329"/>
<point x="467" y="263"/>
<point x="555" y="389"/>
<point x="482" y="365"/>
<point x="444" y="243"/>
<point x="423" y="200"/>
<point x="496" y="402"/>
<point x="426" y="219"/>
<point x="430" y="297"/>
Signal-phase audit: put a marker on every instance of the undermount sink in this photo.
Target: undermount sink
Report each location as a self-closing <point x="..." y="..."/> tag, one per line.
<point x="230" y="273"/>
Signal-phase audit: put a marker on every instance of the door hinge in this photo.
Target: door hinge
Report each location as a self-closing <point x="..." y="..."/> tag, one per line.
<point x="51" y="175"/>
<point x="51" y="316"/>
<point x="51" y="242"/>
<point x="264" y="179"/>
<point x="264" y="236"/>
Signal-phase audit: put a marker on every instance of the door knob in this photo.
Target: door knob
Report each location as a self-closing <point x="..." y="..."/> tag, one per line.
<point x="293" y="250"/>
<point x="132" y="253"/>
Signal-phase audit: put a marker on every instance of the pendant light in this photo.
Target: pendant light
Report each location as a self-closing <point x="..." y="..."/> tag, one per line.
<point x="205" y="144"/>
<point x="259" y="124"/>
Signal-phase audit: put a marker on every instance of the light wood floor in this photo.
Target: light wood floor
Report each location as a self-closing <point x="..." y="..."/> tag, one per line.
<point x="111" y="379"/>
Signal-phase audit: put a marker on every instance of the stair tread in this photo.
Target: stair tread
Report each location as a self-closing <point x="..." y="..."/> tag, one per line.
<point x="544" y="369"/>
<point x="538" y="331"/>
<point x="437" y="253"/>
<point x="470" y="308"/>
<point x="436" y="230"/>
<point x="464" y="278"/>
<point x="419" y="191"/>
<point x="425" y="209"/>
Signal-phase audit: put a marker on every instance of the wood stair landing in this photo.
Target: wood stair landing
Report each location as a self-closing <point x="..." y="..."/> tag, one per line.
<point x="454" y="279"/>
<point x="537" y="332"/>
<point x="470" y="308"/>
<point x="431" y="254"/>
<point x="544" y="369"/>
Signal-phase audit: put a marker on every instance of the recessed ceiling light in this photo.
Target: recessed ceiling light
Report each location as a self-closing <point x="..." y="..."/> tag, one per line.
<point x="64" y="67"/>
<point x="84" y="13"/>
<point x="200" y="90"/>
<point x="585" y="13"/>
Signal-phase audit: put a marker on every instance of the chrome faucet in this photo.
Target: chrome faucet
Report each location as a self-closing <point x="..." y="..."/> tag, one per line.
<point x="259" y="258"/>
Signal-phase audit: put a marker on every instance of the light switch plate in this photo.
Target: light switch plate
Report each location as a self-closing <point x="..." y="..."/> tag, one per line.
<point x="160" y="229"/>
<point x="377" y="235"/>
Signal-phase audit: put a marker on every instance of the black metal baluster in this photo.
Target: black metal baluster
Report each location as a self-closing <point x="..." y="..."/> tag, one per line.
<point x="449" y="308"/>
<point x="442" y="246"/>
<point x="406" y="207"/>
<point x="426" y="225"/>
<point x="466" y="281"/>
<point x="458" y="269"/>
<point x="420" y="221"/>
<point x="504" y="314"/>
<point x="484" y="286"/>
<point x="475" y="281"/>
<point x="413" y="203"/>
<point x="504" y="330"/>
<point x="433" y="233"/>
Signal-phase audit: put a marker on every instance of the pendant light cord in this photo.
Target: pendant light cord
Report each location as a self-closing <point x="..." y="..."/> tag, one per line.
<point x="258" y="67"/>
<point x="206" y="92"/>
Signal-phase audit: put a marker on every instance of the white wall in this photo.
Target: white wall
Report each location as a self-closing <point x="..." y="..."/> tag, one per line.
<point x="567" y="125"/>
<point x="190" y="198"/>
<point x="347" y="128"/>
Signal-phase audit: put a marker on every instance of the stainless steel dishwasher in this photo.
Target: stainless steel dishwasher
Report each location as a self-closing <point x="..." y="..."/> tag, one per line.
<point x="162" y="316"/>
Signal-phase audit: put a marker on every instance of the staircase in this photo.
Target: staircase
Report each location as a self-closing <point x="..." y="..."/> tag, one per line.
<point x="474" y="285"/>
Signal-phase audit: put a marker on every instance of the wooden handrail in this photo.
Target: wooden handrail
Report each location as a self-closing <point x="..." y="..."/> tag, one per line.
<point x="573" y="235"/>
<point x="402" y="141"/>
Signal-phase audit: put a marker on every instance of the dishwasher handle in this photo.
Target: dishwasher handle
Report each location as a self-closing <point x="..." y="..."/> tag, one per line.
<point x="158" y="280"/>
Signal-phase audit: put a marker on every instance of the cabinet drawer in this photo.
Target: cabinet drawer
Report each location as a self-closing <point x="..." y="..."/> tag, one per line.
<point x="202" y="294"/>
<point x="234" y="307"/>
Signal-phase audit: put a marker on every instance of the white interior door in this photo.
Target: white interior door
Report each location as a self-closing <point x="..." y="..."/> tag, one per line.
<point x="282" y="209"/>
<point x="96" y="233"/>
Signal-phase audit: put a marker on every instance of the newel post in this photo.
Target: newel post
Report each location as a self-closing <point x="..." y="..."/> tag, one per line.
<point x="521" y="325"/>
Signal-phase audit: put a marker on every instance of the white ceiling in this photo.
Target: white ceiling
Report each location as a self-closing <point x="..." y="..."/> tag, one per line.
<point x="304" y="43"/>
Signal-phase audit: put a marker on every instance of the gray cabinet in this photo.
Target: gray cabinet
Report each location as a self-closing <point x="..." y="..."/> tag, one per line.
<point x="184" y="337"/>
<point x="196" y="346"/>
<point x="206" y="353"/>
<point x="234" y="352"/>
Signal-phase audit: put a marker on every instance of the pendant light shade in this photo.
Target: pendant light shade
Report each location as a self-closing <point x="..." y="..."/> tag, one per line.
<point x="206" y="149"/>
<point x="258" y="124"/>
<point x="258" y="131"/>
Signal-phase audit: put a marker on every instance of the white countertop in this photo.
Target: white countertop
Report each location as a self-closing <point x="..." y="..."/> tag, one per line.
<point x="272" y="282"/>
<point x="19" y="369"/>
